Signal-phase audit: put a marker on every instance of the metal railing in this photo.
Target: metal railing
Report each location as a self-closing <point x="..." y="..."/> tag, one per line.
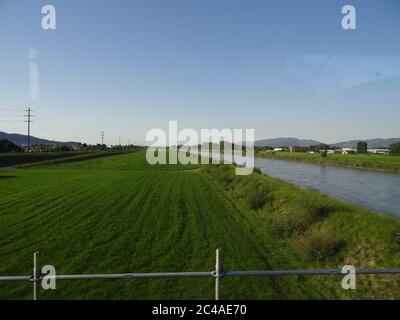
<point x="218" y="274"/>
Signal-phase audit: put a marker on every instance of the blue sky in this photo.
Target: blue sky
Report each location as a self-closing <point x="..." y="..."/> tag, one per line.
<point x="284" y="68"/>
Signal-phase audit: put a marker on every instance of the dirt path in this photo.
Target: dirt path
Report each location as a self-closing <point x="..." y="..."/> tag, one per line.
<point x="8" y="169"/>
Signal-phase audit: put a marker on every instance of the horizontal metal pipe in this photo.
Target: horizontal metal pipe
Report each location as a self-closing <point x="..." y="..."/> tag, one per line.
<point x="281" y="273"/>
<point x="307" y="272"/>
<point x="91" y="276"/>
<point x="134" y="275"/>
<point x="204" y="274"/>
<point x="377" y="271"/>
<point x="16" y="278"/>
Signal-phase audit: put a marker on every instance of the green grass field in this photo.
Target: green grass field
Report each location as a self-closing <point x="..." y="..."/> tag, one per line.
<point x="22" y="160"/>
<point x="362" y="161"/>
<point x="13" y="159"/>
<point x="119" y="214"/>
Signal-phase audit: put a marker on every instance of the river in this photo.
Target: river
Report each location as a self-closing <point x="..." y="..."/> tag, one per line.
<point x="372" y="190"/>
<point x="376" y="191"/>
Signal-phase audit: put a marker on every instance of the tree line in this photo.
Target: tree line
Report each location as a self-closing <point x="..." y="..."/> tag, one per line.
<point x="7" y="146"/>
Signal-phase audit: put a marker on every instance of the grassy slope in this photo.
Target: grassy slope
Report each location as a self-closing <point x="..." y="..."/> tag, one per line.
<point x="311" y="230"/>
<point x="373" y="162"/>
<point x="119" y="214"/>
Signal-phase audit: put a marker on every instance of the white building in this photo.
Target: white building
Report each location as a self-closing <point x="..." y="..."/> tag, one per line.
<point x="348" y="150"/>
<point x="378" y="151"/>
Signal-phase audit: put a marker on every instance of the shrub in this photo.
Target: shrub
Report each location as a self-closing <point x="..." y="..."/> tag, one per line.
<point x="8" y="146"/>
<point x="318" y="243"/>
<point x="320" y="210"/>
<point x="395" y="149"/>
<point x="288" y="222"/>
<point x="226" y="175"/>
<point x="323" y="154"/>
<point x="396" y="236"/>
<point x="294" y="213"/>
<point x="257" y="196"/>
<point x="362" y="147"/>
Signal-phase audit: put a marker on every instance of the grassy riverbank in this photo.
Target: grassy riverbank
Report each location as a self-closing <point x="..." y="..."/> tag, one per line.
<point x="310" y="230"/>
<point x="118" y="214"/>
<point x="361" y="161"/>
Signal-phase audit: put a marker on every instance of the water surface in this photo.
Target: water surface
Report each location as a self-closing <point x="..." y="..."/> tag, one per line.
<point x="377" y="191"/>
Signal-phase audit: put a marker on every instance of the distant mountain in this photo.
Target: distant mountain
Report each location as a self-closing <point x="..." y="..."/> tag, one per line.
<point x="372" y="143"/>
<point x="21" y="139"/>
<point x="285" y="142"/>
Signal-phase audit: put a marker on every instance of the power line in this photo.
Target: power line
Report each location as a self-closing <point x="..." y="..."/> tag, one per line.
<point x="10" y="115"/>
<point x="42" y="120"/>
<point x="29" y="110"/>
<point x="46" y="123"/>
<point x="11" y="108"/>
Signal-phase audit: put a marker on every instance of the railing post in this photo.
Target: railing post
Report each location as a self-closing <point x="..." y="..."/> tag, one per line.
<point x="217" y="273"/>
<point x="36" y="275"/>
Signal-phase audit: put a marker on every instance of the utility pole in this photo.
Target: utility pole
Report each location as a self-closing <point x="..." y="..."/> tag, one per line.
<point x="29" y="110"/>
<point x="102" y="138"/>
<point x="119" y="141"/>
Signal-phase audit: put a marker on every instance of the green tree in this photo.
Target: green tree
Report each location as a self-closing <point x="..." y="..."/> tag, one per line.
<point x="395" y="149"/>
<point x="362" y="147"/>
<point x="318" y="147"/>
<point x="8" y="146"/>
